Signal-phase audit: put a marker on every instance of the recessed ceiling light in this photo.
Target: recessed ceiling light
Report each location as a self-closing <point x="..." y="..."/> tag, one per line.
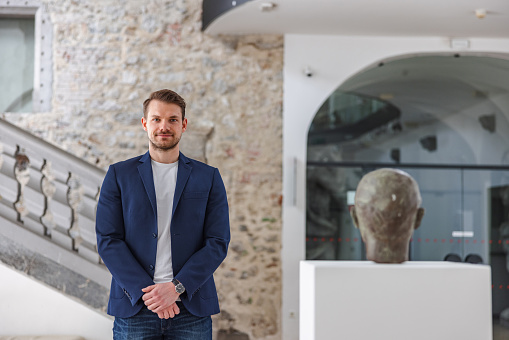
<point x="480" y="13"/>
<point x="267" y="6"/>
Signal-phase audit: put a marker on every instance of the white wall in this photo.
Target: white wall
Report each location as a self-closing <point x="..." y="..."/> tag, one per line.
<point x="28" y="307"/>
<point x="333" y="60"/>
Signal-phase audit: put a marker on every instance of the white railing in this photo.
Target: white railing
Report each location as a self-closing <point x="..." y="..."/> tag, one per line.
<point x="53" y="195"/>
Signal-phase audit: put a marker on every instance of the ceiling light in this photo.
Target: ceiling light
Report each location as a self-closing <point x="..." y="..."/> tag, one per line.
<point x="267" y="6"/>
<point x="429" y="143"/>
<point x="396" y="155"/>
<point x="488" y="122"/>
<point x="480" y="13"/>
<point x="386" y="96"/>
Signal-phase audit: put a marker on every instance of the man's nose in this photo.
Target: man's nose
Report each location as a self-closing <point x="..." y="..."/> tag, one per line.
<point x="164" y="125"/>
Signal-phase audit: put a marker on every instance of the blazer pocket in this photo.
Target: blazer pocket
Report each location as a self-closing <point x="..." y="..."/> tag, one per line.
<point x="195" y="195"/>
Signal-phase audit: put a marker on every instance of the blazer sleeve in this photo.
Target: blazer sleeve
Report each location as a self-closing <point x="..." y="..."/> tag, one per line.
<point x="111" y="245"/>
<point x="216" y="237"/>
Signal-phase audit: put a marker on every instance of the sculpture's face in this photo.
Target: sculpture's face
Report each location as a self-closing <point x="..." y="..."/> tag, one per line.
<point x="387" y="210"/>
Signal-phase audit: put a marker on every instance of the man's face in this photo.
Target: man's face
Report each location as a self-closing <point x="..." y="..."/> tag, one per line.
<point x="164" y="124"/>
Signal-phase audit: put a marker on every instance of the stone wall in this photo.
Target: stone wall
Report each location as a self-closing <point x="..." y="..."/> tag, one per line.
<point x="109" y="55"/>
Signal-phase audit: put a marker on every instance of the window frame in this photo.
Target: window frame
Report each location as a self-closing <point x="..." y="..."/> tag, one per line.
<point x="43" y="38"/>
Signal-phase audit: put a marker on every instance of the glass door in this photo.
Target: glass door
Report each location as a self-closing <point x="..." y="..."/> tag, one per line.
<point x="436" y="239"/>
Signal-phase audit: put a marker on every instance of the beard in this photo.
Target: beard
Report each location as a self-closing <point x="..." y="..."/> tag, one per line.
<point x="165" y="145"/>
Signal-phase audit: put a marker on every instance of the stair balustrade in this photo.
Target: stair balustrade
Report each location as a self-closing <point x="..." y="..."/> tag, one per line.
<point x="52" y="194"/>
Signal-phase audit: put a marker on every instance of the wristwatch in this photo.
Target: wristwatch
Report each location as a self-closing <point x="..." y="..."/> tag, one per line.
<point x="179" y="287"/>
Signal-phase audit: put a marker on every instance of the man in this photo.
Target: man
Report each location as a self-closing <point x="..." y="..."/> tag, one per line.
<point x="162" y="230"/>
<point x="387" y="211"/>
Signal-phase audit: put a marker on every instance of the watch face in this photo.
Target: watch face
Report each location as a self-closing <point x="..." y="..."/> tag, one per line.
<point x="180" y="288"/>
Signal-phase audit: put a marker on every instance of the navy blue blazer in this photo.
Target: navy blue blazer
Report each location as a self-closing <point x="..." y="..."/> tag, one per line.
<point x="126" y="227"/>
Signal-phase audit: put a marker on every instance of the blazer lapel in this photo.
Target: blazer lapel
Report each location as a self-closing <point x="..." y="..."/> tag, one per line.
<point x="145" y="170"/>
<point x="183" y="173"/>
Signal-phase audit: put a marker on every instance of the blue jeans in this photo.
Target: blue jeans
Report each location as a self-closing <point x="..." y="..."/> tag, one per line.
<point x="146" y="325"/>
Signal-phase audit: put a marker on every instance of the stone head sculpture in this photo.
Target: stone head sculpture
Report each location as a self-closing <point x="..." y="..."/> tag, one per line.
<point x="387" y="210"/>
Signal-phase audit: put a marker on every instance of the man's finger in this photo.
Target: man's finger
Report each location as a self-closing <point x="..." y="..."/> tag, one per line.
<point x="149" y="301"/>
<point x="158" y="309"/>
<point x="147" y="289"/>
<point x="153" y="307"/>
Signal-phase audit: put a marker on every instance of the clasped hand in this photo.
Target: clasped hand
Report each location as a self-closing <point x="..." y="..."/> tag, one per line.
<point x="160" y="298"/>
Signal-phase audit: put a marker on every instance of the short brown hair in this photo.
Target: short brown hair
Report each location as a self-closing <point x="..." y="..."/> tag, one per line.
<point x="166" y="96"/>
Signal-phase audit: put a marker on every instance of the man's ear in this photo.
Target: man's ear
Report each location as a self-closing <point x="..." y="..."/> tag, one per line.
<point x="418" y="217"/>
<point x="144" y="123"/>
<point x="353" y="213"/>
<point x="184" y="125"/>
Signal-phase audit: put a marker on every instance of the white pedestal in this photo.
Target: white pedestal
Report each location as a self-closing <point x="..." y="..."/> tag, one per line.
<point x="363" y="300"/>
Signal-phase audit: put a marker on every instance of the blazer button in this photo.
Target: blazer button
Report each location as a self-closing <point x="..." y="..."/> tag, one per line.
<point x="151" y="267"/>
<point x="154" y="235"/>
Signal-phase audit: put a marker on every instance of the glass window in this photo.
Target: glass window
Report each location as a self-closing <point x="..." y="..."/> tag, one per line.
<point x="16" y="64"/>
<point x="26" y="57"/>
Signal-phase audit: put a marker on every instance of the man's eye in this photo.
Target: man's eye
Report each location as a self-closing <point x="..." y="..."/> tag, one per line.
<point x="155" y="119"/>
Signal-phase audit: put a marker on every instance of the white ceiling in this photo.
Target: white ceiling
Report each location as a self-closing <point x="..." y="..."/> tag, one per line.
<point x="438" y="85"/>
<point x="450" y="18"/>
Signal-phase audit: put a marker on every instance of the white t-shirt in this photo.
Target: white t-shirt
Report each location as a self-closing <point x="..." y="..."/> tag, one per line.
<point x="165" y="179"/>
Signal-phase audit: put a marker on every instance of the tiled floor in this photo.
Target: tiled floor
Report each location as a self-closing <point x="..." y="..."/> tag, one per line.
<point x="500" y="332"/>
